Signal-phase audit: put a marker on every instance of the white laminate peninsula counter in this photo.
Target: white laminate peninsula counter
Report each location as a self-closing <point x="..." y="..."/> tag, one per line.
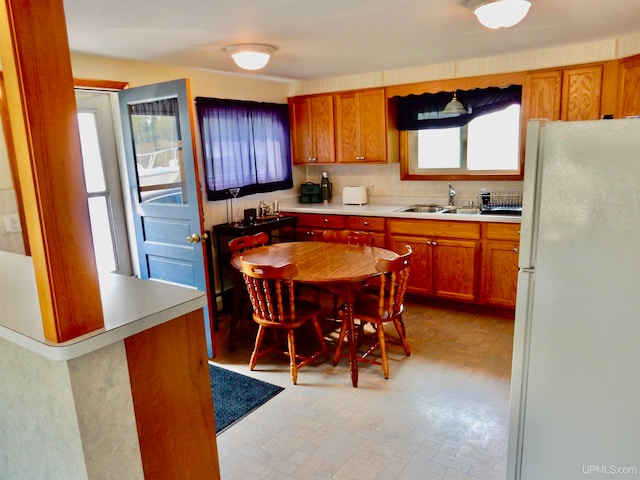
<point x="130" y="305"/>
<point x="386" y="207"/>
<point x="130" y="400"/>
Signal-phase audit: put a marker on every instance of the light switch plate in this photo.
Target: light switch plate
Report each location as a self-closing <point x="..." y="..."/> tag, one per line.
<point x="11" y="223"/>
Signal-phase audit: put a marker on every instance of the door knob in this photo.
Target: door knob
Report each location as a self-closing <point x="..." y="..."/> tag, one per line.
<point x="193" y="238"/>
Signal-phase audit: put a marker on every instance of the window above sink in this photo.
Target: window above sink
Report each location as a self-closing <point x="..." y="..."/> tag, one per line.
<point x="483" y="142"/>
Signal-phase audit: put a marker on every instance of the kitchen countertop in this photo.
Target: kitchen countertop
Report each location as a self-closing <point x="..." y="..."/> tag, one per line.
<point x="130" y="306"/>
<point x="387" y="207"/>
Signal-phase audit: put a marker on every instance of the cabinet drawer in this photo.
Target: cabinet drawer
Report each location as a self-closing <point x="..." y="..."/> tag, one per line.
<point x="435" y="228"/>
<point x="370" y="224"/>
<point x="502" y="231"/>
<point x="321" y="221"/>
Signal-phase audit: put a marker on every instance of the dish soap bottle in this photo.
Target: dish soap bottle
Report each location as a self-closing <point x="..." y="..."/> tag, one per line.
<point x="325" y="187"/>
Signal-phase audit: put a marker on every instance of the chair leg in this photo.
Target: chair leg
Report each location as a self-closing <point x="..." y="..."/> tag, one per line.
<point x="256" y="348"/>
<point x="400" y="329"/>
<point x="318" y="329"/>
<point x="233" y="322"/>
<point x="383" y="351"/>
<point x="338" y="352"/>
<point x="292" y="356"/>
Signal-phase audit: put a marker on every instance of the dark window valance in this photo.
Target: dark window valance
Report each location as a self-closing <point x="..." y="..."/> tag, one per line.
<point x="419" y="112"/>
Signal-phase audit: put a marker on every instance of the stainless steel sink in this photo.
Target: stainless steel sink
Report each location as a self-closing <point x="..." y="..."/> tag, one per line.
<point x="463" y="210"/>
<point x="458" y="209"/>
<point x="422" y="209"/>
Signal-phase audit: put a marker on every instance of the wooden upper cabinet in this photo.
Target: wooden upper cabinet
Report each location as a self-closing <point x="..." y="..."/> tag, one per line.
<point x="361" y="128"/>
<point x="542" y="95"/>
<point x="564" y="94"/>
<point x="312" y="129"/>
<point x="629" y="87"/>
<point x="581" y="93"/>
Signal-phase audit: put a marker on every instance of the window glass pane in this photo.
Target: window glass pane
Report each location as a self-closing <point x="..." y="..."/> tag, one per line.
<point x="91" y="158"/>
<point x="102" y="236"/>
<point x="158" y="150"/>
<point x="493" y="140"/>
<point x="439" y="148"/>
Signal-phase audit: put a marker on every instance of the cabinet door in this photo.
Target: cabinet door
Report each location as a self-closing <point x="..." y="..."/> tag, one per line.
<point x="373" y="131"/>
<point x="361" y="126"/>
<point x="629" y="87"/>
<point x="312" y="129"/>
<point x="455" y="268"/>
<point x="420" y="275"/>
<point x="500" y="274"/>
<point x="581" y="93"/>
<point x="347" y="119"/>
<point x="542" y="95"/>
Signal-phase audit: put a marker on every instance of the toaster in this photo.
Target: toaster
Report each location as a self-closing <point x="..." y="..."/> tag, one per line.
<point x="354" y="195"/>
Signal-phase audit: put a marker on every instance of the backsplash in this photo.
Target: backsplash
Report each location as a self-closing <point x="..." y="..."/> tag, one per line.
<point x="384" y="181"/>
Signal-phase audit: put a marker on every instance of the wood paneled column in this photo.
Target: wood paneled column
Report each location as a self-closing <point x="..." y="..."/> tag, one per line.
<point x="42" y="110"/>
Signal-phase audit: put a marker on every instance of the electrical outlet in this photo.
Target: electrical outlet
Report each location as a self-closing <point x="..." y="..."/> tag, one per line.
<point x="11" y="223"/>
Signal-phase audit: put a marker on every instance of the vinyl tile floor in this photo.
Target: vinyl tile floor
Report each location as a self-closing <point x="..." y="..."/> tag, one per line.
<point x="441" y="415"/>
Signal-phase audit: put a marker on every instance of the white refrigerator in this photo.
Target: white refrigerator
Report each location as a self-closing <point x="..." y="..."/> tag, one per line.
<point x="575" y="392"/>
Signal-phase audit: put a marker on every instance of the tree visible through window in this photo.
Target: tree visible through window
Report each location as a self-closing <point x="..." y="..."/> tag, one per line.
<point x="245" y="145"/>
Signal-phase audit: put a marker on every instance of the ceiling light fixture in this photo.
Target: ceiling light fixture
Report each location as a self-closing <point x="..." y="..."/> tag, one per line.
<point x="499" y="13"/>
<point x="454" y="108"/>
<point x="250" y="56"/>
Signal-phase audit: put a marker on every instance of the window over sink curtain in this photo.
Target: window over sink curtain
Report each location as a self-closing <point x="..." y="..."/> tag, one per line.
<point x="245" y="145"/>
<point x="421" y="112"/>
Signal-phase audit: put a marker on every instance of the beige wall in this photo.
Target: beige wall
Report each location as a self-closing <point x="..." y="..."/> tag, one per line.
<point x="203" y="84"/>
<point x="608" y="49"/>
<point x="384" y="179"/>
<point x="9" y="242"/>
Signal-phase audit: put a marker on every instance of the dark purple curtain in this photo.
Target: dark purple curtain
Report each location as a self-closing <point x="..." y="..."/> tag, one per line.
<point x="419" y="112"/>
<point x="245" y="145"/>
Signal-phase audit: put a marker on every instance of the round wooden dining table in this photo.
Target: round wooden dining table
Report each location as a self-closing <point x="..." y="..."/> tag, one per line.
<point x="338" y="267"/>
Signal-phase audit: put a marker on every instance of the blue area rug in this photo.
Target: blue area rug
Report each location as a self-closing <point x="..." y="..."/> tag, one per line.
<point x="236" y="395"/>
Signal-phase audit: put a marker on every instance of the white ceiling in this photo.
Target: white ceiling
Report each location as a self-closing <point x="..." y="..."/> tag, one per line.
<point x="325" y="38"/>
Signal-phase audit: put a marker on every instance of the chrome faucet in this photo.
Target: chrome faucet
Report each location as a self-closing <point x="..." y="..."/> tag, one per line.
<point x="452" y="194"/>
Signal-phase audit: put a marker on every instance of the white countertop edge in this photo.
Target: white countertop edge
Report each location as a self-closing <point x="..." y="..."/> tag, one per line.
<point x="387" y="207"/>
<point x="100" y="338"/>
<point x="140" y="305"/>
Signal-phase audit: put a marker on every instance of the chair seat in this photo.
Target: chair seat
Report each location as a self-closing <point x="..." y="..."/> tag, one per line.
<point x="304" y="310"/>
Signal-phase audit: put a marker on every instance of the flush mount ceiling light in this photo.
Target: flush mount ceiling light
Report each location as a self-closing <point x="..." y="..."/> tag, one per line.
<point x="454" y="108"/>
<point x="499" y="13"/>
<point x="250" y="56"/>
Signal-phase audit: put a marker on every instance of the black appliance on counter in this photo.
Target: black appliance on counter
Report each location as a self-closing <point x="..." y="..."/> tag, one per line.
<point x="310" y="193"/>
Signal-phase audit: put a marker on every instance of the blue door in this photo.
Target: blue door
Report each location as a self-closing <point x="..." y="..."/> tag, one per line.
<point x="164" y="186"/>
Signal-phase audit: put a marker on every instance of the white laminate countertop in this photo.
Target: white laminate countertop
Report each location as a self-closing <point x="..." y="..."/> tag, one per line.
<point x="130" y="306"/>
<point x="387" y="207"/>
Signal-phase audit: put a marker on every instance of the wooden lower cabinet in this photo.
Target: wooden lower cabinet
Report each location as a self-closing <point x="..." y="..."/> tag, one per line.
<point x="446" y="256"/>
<point x="500" y="251"/>
<point x="474" y="262"/>
<point x="311" y="225"/>
<point x="377" y="225"/>
<point x="442" y="267"/>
